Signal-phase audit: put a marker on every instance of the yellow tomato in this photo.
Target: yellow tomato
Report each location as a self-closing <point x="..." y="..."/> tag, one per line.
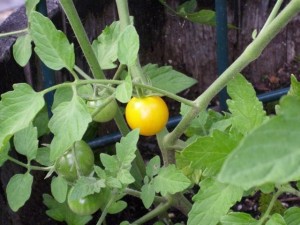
<point x="149" y="114"/>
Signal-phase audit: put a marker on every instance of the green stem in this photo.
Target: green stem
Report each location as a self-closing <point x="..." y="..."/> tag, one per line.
<point x="82" y="73"/>
<point x="273" y="14"/>
<point x="119" y="72"/>
<point x="270" y="207"/>
<point x="79" y="31"/>
<point x="39" y="168"/>
<point x="137" y="194"/>
<point x="251" y="53"/>
<point x="14" y="33"/>
<point x="101" y="106"/>
<point x="291" y="190"/>
<point x="161" y="208"/>
<point x="105" y="210"/>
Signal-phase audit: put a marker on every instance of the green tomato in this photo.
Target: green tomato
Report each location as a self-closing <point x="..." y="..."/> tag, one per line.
<point x="80" y="157"/>
<point x="87" y="205"/>
<point x="105" y="114"/>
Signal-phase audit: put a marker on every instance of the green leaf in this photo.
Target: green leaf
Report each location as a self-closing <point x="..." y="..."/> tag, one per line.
<point x="116" y="207"/>
<point x="212" y="202"/>
<point x="22" y="49"/>
<point x="30" y="6"/>
<point x="43" y="156"/>
<point x="68" y="123"/>
<point x="17" y="110"/>
<point x="276" y="219"/>
<point x="125" y="177"/>
<point x="51" y="45"/>
<point x="41" y="122"/>
<point x="292" y="216"/>
<point x="61" y="95"/>
<point x="209" y="153"/>
<point x="18" y="190"/>
<point x="168" y="79"/>
<point x="205" y="17"/>
<point x="26" y="142"/>
<point x="295" y="86"/>
<point x="153" y="166"/>
<point x="170" y="180"/>
<point x="61" y="212"/>
<point x="4" y="153"/>
<point x="86" y="186"/>
<point x="110" y="162"/>
<point x="148" y="195"/>
<point x="128" y="46"/>
<point x="124" y="90"/>
<point x="187" y="7"/>
<point x="269" y="154"/>
<point x="106" y="46"/>
<point x="238" y="218"/>
<point x="59" y="188"/>
<point x="247" y="111"/>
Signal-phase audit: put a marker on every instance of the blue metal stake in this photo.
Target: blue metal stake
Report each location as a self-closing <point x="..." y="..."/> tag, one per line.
<point x="222" y="45"/>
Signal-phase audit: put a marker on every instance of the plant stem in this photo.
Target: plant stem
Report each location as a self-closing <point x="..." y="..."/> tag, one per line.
<point x="39" y="168"/>
<point x="251" y="53"/>
<point x="137" y="194"/>
<point x="104" y="212"/>
<point x="79" y="31"/>
<point x="82" y="73"/>
<point x="270" y="207"/>
<point x="14" y="33"/>
<point x="119" y="72"/>
<point x="161" y="208"/>
<point x="273" y="14"/>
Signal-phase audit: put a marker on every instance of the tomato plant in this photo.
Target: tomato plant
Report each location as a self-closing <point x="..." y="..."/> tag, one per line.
<point x="215" y="157"/>
<point x="86" y="205"/>
<point x="105" y="113"/>
<point x="149" y="114"/>
<point x="78" y="160"/>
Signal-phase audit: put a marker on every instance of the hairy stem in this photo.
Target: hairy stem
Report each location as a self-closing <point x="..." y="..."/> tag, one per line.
<point x="39" y="168"/>
<point x="12" y="33"/>
<point x="132" y="192"/>
<point x="251" y="53"/>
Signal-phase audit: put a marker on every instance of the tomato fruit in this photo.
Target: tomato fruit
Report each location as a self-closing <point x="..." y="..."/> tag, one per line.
<point x="149" y="114"/>
<point x="86" y="205"/>
<point x="80" y="154"/>
<point x="106" y="114"/>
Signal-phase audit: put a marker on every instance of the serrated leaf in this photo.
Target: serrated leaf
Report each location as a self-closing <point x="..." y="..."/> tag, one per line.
<point x="61" y="95"/>
<point x="18" y="190"/>
<point x="59" y="188"/>
<point x="106" y="46"/>
<point x="26" y="142"/>
<point x="68" y="124"/>
<point x="292" y="216"/>
<point x="238" y="218"/>
<point x="208" y="153"/>
<point x="61" y="212"/>
<point x="17" y="110"/>
<point x="187" y="7"/>
<point x="128" y="46"/>
<point x="153" y="166"/>
<point x="51" y="45"/>
<point x="22" y="49"/>
<point x="148" y="195"/>
<point x="170" y="180"/>
<point x="110" y="162"/>
<point x="247" y="111"/>
<point x="168" y="79"/>
<point x="125" y="177"/>
<point x="270" y="154"/>
<point x="86" y="186"/>
<point x="124" y="90"/>
<point x="295" y="86"/>
<point x="205" y="17"/>
<point x="276" y="219"/>
<point x="116" y="207"/>
<point x="43" y="156"/>
<point x="212" y="202"/>
<point x="41" y="122"/>
<point x="30" y="6"/>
